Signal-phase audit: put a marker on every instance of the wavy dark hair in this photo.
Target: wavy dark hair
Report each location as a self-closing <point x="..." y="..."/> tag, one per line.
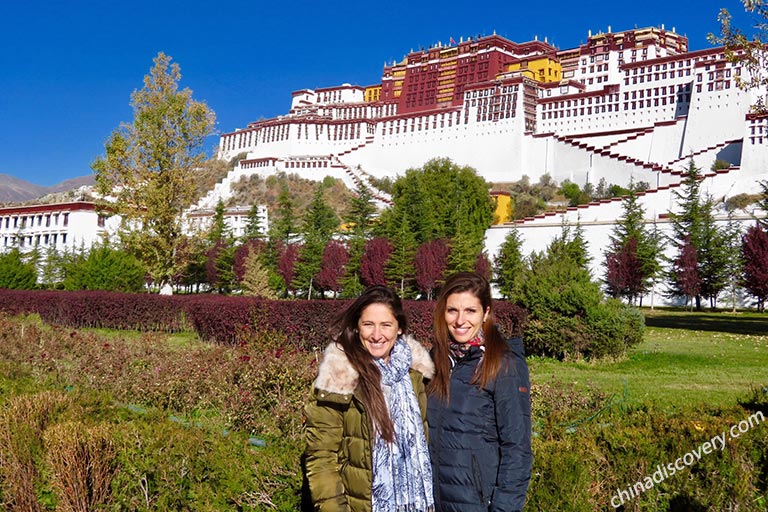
<point x="495" y="344"/>
<point x="344" y="333"/>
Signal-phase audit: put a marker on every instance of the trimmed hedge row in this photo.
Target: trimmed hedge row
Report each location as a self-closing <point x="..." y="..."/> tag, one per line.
<point x="95" y="308"/>
<point x="216" y="318"/>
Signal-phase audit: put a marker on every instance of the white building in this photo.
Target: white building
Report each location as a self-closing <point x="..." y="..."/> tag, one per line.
<point x="62" y="227"/>
<point x="235" y="219"/>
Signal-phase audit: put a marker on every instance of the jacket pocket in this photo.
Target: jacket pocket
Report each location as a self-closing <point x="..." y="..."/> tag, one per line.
<point x="477" y="477"/>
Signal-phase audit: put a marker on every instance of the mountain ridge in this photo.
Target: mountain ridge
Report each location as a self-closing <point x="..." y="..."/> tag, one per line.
<point x="15" y="190"/>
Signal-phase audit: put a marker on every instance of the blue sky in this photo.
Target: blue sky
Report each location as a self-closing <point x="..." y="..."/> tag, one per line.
<point x="67" y="68"/>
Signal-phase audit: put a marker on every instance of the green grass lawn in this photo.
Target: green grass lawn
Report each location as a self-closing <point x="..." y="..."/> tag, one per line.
<point x="686" y="359"/>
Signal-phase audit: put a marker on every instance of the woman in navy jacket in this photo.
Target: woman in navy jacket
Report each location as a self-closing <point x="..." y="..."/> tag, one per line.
<point x="479" y="409"/>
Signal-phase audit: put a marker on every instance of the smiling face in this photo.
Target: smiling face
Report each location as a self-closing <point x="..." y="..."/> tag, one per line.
<point x="378" y="329"/>
<point x="464" y="316"/>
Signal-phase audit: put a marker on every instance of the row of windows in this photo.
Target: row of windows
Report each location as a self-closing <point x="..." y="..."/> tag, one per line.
<point x="658" y="67"/>
<point x="658" y="76"/>
<point x="583" y="101"/>
<point x="599" y="79"/>
<point x="489" y="92"/>
<point x="574" y="112"/>
<point x="592" y="69"/>
<point x="29" y="221"/>
<point x="495" y="116"/>
<point x="715" y="86"/>
<point x="35" y="241"/>
<point x="656" y="91"/>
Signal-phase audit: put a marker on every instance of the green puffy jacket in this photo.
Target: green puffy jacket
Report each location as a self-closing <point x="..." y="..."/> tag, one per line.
<point x="337" y="431"/>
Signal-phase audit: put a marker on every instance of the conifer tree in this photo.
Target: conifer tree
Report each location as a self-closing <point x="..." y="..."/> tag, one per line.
<point x="632" y="261"/>
<point x="219" y="229"/>
<point x="252" y="229"/>
<point x="734" y="262"/>
<point x="694" y="224"/>
<point x="400" y="269"/>
<point x="360" y="225"/>
<point x="15" y="273"/>
<point x="508" y="265"/>
<point x="319" y="225"/>
<point x="437" y="198"/>
<point x="255" y="279"/>
<point x="763" y="204"/>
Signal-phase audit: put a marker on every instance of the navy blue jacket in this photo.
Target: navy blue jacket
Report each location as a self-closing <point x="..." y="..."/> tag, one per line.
<point x="480" y="442"/>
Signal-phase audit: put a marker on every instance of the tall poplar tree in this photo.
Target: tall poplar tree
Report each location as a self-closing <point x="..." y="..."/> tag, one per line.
<point x="149" y="167"/>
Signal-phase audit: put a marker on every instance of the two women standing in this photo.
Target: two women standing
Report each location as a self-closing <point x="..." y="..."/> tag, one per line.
<point x="366" y="419"/>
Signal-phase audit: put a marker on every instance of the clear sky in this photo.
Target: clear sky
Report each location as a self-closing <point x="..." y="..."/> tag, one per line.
<point x="67" y="68"/>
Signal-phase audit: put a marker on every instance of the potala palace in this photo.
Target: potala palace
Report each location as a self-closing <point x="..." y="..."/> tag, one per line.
<point x="633" y="105"/>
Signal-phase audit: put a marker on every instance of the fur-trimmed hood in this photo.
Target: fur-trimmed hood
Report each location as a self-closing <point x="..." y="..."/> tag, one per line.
<point x="336" y="374"/>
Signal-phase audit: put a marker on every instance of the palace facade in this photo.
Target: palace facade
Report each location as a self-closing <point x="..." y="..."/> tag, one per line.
<point x="636" y="105"/>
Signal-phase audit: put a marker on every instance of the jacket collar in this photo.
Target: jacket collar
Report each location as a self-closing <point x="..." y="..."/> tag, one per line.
<point x="336" y="374"/>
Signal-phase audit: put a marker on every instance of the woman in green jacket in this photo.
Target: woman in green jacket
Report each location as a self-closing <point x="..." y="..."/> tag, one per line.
<point x="366" y="418"/>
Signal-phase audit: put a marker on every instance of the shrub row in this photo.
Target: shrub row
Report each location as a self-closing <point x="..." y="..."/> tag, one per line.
<point x="222" y="319"/>
<point x="114" y="310"/>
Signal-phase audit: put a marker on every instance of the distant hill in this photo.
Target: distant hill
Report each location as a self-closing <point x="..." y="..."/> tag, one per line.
<point x="15" y="190"/>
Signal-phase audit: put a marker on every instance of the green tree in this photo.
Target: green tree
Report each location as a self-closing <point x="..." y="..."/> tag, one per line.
<point x="465" y="247"/>
<point x="105" y="268"/>
<point x="400" y="268"/>
<point x="319" y="225"/>
<point x="219" y="229"/>
<point x="509" y="264"/>
<point x="568" y="317"/>
<point x="437" y="198"/>
<point x="360" y="226"/>
<point x="694" y="224"/>
<point x="52" y="269"/>
<point x="734" y="260"/>
<point x="647" y="245"/>
<point x="253" y="224"/>
<point x="15" y="273"/>
<point x="713" y="254"/>
<point x="282" y="232"/>
<point x="283" y="224"/>
<point x="149" y="168"/>
<point x="763" y="203"/>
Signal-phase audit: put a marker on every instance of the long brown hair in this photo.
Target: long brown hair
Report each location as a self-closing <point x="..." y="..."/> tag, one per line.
<point x="495" y="344"/>
<point x="344" y="332"/>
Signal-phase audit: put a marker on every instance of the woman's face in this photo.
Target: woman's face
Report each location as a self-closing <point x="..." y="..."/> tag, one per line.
<point x="464" y="316"/>
<point x="378" y="329"/>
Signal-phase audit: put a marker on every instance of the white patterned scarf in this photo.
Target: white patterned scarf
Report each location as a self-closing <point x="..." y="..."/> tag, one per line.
<point x="402" y="474"/>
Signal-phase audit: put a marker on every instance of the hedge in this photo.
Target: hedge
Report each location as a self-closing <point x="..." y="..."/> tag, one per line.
<point x="216" y="318"/>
